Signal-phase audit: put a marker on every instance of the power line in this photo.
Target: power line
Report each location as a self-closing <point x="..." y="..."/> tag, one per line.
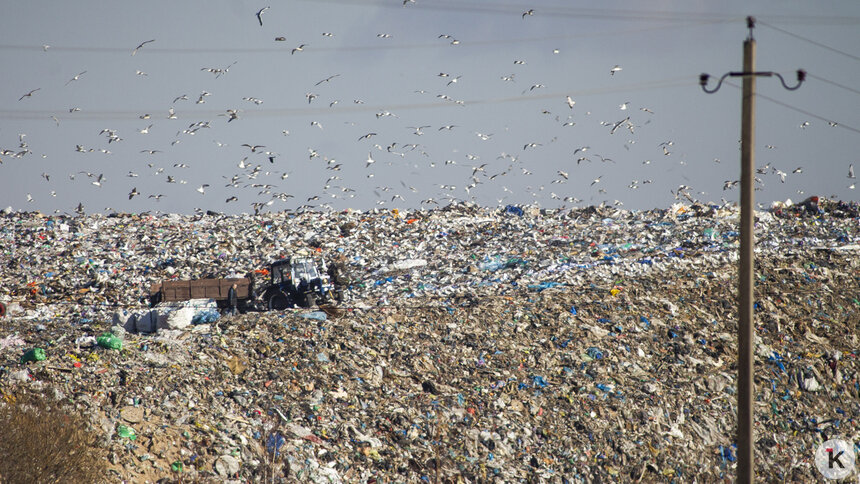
<point x="799" y="110"/>
<point x="347" y="48"/>
<point x="546" y="10"/>
<point x="813" y="20"/>
<point x="855" y="91"/>
<point x="818" y="44"/>
<point x="266" y="112"/>
<point x="556" y="11"/>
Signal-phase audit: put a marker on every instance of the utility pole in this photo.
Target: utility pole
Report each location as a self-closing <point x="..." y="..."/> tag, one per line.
<point x="746" y="322"/>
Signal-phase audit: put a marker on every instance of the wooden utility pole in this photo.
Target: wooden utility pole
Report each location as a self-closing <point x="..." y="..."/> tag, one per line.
<point x="746" y="387"/>
<point x="746" y="322"/>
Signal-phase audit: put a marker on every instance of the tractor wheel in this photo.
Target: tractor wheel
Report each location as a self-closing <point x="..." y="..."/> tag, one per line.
<point x="311" y="299"/>
<point x="278" y="302"/>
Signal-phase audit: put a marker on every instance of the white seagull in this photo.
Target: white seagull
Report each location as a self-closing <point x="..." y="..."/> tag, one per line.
<point x="29" y="94"/>
<point x="260" y="14"/>
<point x="76" y="77"/>
<point x="418" y="129"/>
<point x="141" y="45"/>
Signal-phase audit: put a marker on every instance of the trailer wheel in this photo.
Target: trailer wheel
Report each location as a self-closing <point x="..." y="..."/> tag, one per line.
<point x="278" y="302"/>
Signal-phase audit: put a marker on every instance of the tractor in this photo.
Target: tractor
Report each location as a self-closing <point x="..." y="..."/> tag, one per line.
<point x="297" y="282"/>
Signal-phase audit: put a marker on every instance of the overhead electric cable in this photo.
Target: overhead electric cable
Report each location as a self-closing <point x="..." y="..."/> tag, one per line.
<point x="799" y="110"/>
<point x="813" y="76"/>
<point x="266" y="112"/>
<point x="819" y="44"/>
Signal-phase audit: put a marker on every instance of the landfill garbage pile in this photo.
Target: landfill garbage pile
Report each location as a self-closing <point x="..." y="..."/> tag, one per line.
<point x="473" y="344"/>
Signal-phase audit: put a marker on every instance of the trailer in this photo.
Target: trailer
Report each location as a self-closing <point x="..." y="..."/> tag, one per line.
<point x="217" y="289"/>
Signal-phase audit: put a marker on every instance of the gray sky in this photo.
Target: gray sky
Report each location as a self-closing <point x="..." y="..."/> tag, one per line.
<point x="497" y="77"/>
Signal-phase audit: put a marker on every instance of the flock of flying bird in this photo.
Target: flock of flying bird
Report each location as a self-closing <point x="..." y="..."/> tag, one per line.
<point x="261" y="162"/>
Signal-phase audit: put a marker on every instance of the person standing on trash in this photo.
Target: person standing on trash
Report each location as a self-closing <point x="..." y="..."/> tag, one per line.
<point x="252" y="291"/>
<point x="233" y="298"/>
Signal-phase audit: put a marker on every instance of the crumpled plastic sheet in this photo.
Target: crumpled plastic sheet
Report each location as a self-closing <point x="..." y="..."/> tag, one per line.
<point x="602" y="347"/>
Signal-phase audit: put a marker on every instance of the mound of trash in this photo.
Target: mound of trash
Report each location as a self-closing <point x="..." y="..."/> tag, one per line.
<point x="472" y="344"/>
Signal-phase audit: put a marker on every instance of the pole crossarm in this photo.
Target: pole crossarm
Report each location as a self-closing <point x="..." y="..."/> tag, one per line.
<point x="704" y="78"/>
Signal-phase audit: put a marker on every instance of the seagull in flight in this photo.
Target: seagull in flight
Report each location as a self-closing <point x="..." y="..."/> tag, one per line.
<point x="260" y="14"/>
<point x="615" y="69"/>
<point x="29" y="94"/>
<point x="232" y="114"/>
<point x="327" y="79"/>
<point x="370" y="160"/>
<point x="418" y="129"/>
<point x="140" y="46"/>
<point x="851" y="171"/>
<point x="253" y="148"/>
<point x="534" y="86"/>
<point x="133" y="193"/>
<point x="298" y="49"/>
<point x="76" y="77"/>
